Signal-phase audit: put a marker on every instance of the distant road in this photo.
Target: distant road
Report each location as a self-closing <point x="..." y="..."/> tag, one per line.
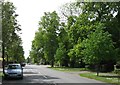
<point x="34" y="74"/>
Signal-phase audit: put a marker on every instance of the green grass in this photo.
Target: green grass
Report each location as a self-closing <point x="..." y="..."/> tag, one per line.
<point x="65" y="69"/>
<point x="1" y="74"/>
<point x="103" y="78"/>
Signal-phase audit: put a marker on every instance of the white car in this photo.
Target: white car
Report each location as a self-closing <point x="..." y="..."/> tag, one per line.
<point x="13" y="71"/>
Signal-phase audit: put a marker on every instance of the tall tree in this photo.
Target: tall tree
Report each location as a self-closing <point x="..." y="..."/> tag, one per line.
<point x="10" y="33"/>
<point x="107" y="13"/>
<point x="78" y="27"/>
<point x="52" y="25"/>
<point x="99" y="47"/>
<point x="45" y="41"/>
<point x="0" y="26"/>
<point x="63" y="45"/>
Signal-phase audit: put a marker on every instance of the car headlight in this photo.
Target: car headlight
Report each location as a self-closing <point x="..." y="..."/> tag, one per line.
<point x="19" y="72"/>
<point x="6" y="72"/>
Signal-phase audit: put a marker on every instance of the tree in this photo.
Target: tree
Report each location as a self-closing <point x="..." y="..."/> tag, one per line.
<point x="51" y="20"/>
<point x="0" y="26"/>
<point x="78" y="27"/>
<point x="69" y="9"/>
<point x="107" y="13"/>
<point x="76" y="56"/>
<point x="12" y="43"/>
<point x="98" y="47"/>
<point x="45" y="42"/>
<point x="60" y="55"/>
<point x="85" y="24"/>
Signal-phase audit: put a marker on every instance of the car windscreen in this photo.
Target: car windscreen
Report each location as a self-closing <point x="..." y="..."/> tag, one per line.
<point x="14" y="67"/>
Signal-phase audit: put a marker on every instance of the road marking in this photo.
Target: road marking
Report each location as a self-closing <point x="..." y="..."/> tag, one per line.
<point x="43" y="75"/>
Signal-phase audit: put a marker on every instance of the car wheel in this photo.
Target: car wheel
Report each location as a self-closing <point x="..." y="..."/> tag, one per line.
<point x="4" y="77"/>
<point x="21" y="77"/>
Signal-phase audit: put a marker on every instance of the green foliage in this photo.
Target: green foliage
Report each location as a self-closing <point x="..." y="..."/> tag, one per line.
<point x="10" y="34"/>
<point x="89" y="34"/>
<point x="0" y="27"/>
<point x="60" y="55"/>
<point x="78" y="29"/>
<point x="75" y="54"/>
<point x="45" y="42"/>
<point x="107" y="13"/>
<point x="105" y="77"/>
<point x="68" y="69"/>
<point x="98" y="47"/>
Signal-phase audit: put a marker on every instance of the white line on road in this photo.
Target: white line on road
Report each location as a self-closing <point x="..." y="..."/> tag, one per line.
<point x="43" y="75"/>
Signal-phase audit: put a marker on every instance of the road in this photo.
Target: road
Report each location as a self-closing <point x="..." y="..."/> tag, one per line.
<point x="40" y="74"/>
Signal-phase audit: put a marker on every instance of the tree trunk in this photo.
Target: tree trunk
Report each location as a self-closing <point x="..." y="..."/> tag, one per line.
<point x="97" y="72"/>
<point x="52" y="63"/>
<point x="98" y="69"/>
<point x="3" y="62"/>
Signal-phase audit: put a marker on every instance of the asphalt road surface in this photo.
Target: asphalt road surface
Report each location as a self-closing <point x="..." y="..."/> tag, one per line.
<point x="41" y="75"/>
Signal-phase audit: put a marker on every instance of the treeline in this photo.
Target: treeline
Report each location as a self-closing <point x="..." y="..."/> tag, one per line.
<point x="12" y="43"/>
<point x="85" y="34"/>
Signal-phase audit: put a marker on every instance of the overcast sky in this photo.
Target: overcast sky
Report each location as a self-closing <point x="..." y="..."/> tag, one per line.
<point x="29" y="12"/>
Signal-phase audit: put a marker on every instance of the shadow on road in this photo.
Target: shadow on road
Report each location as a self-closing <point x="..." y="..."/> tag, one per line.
<point x="31" y="79"/>
<point x="37" y="79"/>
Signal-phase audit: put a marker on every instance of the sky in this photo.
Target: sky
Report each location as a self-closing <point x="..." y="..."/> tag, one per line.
<point x="29" y="12"/>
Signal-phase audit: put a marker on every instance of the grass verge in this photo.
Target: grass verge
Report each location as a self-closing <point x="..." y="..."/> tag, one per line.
<point x="66" y="69"/>
<point x="1" y="74"/>
<point x="101" y="77"/>
<point x="104" y="77"/>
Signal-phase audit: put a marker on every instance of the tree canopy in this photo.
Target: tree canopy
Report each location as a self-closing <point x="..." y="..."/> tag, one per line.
<point x="12" y="41"/>
<point x="88" y="36"/>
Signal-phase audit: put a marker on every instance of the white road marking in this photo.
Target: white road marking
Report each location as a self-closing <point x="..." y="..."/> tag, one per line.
<point x="43" y="75"/>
